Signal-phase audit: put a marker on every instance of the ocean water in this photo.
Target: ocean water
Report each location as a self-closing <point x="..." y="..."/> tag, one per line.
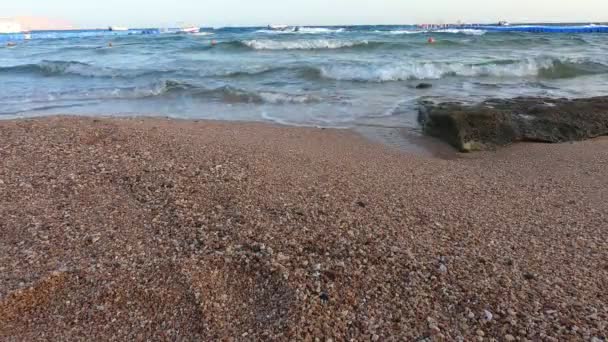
<point x="328" y="76"/>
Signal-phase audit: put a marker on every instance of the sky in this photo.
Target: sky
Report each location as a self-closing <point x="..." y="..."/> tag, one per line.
<point x="155" y="13"/>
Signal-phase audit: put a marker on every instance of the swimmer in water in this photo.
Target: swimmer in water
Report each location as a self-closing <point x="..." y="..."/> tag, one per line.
<point x="213" y="43"/>
<point x="431" y="40"/>
<point x="110" y="44"/>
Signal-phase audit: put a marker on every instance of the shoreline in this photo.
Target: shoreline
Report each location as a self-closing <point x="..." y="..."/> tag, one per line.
<point x="174" y="229"/>
<point x="404" y="139"/>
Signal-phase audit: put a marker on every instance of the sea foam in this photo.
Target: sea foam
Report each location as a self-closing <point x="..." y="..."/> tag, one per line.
<point x="544" y="67"/>
<point x="307" y="44"/>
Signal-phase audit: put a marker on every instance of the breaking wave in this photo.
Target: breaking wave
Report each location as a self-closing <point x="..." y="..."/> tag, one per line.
<point x="55" y="68"/>
<point x="307" y="44"/>
<point x="543" y="68"/>
<point x="473" y="32"/>
<point x="319" y="30"/>
<point x="228" y="94"/>
<point x="401" y="32"/>
<point x="173" y="88"/>
<point x="304" y="30"/>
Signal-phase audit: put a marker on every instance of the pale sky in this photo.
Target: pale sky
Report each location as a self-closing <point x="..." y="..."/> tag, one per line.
<point x="154" y="13"/>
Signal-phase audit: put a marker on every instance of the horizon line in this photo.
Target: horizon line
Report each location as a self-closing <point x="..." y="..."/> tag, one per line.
<point x="76" y="28"/>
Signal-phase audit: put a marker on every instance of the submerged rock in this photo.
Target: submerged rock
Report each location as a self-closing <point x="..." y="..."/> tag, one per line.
<point x="500" y="122"/>
<point x="424" y="86"/>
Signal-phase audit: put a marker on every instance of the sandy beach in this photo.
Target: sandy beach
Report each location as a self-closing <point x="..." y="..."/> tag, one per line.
<point x="156" y="229"/>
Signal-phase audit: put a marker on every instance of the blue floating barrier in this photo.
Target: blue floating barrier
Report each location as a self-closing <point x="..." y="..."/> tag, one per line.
<point x="540" y="28"/>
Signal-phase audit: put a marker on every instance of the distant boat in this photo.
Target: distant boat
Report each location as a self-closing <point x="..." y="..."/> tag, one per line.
<point x="27" y="36"/>
<point x="278" y="27"/>
<point x="189" y="29"/>
<point x="283" y="28"/>
<point x="504" y="23"/>
<point x="117" y="28"/>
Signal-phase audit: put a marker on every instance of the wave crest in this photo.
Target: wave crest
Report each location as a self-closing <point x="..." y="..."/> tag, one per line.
<point x="319" y="30"/>
<point x="229" y="94"/>
<point x="473" y="32"/>
<point x="175" y="88"/>
<point x="543" y="68"/>
<point x="58" y="68"/>
<point x="307" y="44"/>
<point x="304" y="30"/>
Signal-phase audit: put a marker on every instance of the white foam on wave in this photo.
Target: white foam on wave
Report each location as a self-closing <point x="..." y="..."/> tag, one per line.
<point x="107" y="93"/>
<point x="77" y="68"/>
<point x="404" y="32"/>
<point x="303" y="30"/>
<point x="472" y="32"/>
<point x="396" y="32"/>
<point x="454" y="31"/>
<point x="273" y="31"/>
<point x="429" y="71"/>
<point x="282" y="98"/>
<point x="317" y="30"/>
<point x="156" y="89"/>
<point x="308" y="44"/>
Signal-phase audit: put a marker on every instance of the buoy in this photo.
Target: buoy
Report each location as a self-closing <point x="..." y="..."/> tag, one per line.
<point x="431" y="40"/>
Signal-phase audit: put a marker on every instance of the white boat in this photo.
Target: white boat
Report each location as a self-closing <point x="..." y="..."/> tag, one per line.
<point x="189" y="29"/>
<point x="27" y="36"/>
<point x="504" y="23"/>
<point x="278" y="27"/>
<point x="166" y="30"/>
<point x="117" y="28"/>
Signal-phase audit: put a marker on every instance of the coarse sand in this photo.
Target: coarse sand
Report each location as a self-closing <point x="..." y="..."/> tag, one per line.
<point x="155" y="229"/>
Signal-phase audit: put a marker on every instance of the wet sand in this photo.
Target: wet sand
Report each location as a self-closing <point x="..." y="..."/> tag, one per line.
<point x="408" y="140"/>
<point x="136" y="229"/>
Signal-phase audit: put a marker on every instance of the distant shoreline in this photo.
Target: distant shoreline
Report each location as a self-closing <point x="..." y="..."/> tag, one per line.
<point x="76" y="29"/>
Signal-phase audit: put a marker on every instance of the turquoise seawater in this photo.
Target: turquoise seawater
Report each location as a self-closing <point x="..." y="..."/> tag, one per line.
<point x="324" y="76"/>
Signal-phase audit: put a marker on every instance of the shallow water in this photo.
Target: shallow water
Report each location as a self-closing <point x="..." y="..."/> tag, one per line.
<point x="330" y="77"/>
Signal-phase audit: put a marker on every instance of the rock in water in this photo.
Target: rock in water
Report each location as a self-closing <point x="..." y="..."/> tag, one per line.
<point x="500" y="122"/>
<point x="424" y="86"/>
